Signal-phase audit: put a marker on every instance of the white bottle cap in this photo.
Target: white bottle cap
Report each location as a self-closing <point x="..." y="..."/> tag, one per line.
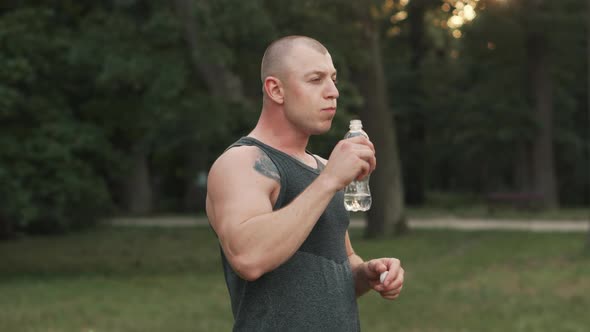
<point x="357" y="124"/>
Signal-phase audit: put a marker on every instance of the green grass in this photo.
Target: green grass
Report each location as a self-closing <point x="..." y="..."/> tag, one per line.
<point x="170" y="279"/>
<point x="479" y="211"/>
<point x="462" y="205"/>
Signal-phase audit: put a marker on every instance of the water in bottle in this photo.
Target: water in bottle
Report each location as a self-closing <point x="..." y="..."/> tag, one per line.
<point x="357" y="195"/>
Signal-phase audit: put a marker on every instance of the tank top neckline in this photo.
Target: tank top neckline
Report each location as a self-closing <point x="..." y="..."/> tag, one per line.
<point x="316" y="170"/>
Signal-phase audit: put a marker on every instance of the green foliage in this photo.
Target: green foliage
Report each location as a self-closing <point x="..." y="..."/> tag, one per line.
<point x="84" y="86"/>
<point x="51" y="182"/>
<point x="474" y="99"/>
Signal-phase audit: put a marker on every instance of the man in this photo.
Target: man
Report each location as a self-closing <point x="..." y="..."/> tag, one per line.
<point x="278" y="210"/>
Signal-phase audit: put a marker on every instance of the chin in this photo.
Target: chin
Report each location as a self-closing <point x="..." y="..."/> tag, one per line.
<point x="322" y="129"/>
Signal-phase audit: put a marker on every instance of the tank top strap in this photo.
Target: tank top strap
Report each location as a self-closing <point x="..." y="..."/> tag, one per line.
<point x="274" y="157"/>
<point x="321" y="165"/>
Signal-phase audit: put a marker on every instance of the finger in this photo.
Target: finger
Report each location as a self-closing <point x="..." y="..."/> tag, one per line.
<point x="392" y="263"/>
<point x="368" y="156"/>
<point x="377" y="266"/>
<point x="362" y="140"/>
<point x="391" y="292"/>
<point x="395" y="284"/>
<point x="361" y="147"/>
<point x="364" y="171"/>
<point x="368" y="143"/>
<point x="393" y="269"/>
<point x="390" y="297"/>
<point x="392" y="286"/>
<point x="394" y="275"/>
<point x="376" y="285"/>
<point x="364" y="154"/>
<point x="399" y="281"/>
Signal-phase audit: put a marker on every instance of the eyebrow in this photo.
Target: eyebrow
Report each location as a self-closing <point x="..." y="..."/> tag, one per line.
<point x="321" y="73"/>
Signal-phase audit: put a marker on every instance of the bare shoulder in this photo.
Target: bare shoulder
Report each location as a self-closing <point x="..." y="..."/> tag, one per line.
<point x="244" y="160"/>
<point x="242" y="183"/>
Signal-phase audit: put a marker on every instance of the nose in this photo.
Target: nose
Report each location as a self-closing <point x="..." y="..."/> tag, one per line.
<point x="331" y="90"/>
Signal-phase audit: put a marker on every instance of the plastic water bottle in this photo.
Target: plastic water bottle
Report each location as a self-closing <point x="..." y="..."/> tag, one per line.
<point x="357" y="195"/>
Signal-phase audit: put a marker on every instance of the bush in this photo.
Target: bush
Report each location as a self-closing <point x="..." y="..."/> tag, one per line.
<point x="48" y="170"/>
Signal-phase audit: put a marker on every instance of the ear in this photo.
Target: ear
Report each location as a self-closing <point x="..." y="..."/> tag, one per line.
<point x="274" y="89"/>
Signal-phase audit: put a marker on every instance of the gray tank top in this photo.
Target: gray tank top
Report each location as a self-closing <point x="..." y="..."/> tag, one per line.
<point x="313" y="290"/>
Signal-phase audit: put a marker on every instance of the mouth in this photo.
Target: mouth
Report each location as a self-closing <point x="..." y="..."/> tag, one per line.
<point x="329" y="109"/>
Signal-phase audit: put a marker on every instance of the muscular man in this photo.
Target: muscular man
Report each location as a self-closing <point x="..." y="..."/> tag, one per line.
<point x="278" y="210"/>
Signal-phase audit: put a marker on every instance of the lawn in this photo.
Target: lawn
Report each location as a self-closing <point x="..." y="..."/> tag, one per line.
<point x="170" y="279"/>
<point x="478" y="211"/>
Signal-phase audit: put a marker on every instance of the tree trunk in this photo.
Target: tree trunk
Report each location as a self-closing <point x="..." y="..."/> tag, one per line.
<point x="522" y="168"/>
<point x="588" y="105"/>
<point x="138" y="188"/>
<point x="414" y="172"/>
<point x="220" y="80"/>
<point x="386" y="216"/>
<point x="544" y="180"/>
<point x="221" y="83"/>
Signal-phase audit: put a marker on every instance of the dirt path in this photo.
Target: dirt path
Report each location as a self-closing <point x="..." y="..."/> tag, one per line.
<point x="430" y="223"/>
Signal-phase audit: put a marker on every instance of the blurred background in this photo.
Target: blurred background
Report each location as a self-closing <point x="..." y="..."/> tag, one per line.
<point x="479" y="110"/>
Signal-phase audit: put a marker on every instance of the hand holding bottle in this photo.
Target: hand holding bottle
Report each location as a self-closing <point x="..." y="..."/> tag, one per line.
<point x="357" y="195"/>
<point x="350" y="159"/>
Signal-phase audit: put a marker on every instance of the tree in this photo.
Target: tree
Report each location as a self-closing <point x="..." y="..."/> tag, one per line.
<point x="221" y="81"/>
<point x="218" y="78"/>
<point x="387" y="216"/>
<point x="125" y="102"/>
<point x="51" y="179"/>
<point x="486" y="108"/>
<point x="125" y="89"/>
<point x="588" y="105"/>
<point x="541" y="92"/>
<point x="415" y="170"/>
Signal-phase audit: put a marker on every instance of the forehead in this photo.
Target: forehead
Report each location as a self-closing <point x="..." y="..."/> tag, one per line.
<point x="305" y="60"/>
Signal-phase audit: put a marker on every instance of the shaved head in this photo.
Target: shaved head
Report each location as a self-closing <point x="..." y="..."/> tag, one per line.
<point x="274" y="59"/>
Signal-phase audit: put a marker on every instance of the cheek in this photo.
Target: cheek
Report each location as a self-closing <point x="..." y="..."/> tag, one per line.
<point x="309" y="95"/>
<point x="302" y="98"/>
<point x="299" y="92"/>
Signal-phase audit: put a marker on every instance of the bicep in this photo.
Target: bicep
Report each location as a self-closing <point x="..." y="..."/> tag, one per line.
<point x="240" y="187"/>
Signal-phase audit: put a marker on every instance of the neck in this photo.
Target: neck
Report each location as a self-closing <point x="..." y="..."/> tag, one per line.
<point x="274" y="129"/>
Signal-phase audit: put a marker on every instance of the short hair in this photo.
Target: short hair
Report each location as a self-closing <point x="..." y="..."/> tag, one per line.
<point x="276" y="52"/>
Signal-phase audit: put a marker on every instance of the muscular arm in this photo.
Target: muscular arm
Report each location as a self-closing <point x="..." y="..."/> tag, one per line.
<point x="256" y="239"/>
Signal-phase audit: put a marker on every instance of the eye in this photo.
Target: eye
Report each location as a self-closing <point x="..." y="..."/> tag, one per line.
<point x="335" y="81"/>
<point x="315" y="79"/>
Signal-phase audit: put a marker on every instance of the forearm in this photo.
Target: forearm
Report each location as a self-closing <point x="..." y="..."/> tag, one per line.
<point x="262" y="243"/>
<point x="361" y="283"/>
<point x="357" y="265"/>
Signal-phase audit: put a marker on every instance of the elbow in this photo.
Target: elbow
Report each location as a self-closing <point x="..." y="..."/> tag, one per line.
<point x="247" y="268"/>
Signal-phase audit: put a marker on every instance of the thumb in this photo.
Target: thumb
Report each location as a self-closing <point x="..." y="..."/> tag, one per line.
<point x="376" y="267"/>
